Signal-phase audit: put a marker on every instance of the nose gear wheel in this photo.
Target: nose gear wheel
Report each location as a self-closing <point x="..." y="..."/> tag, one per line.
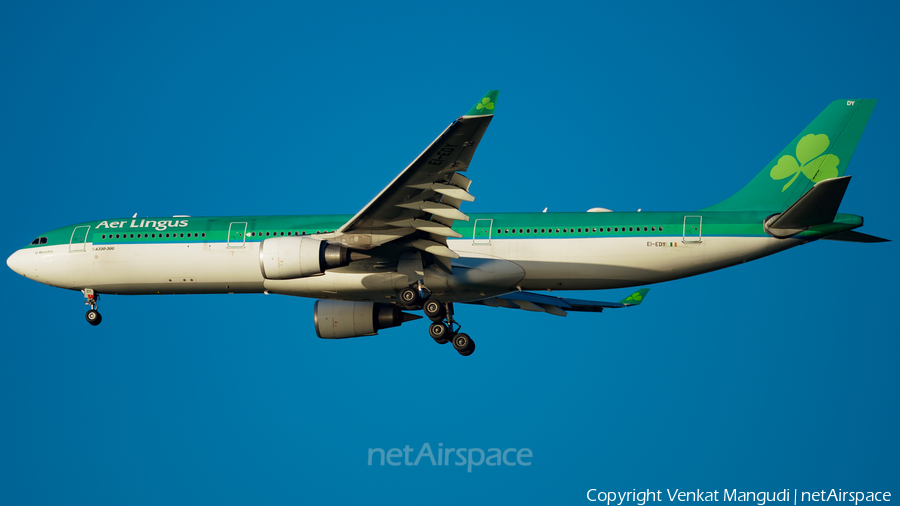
<point x="92" y="299"/>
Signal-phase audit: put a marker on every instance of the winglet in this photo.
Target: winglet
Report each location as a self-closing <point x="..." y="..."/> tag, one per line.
<point x="636" y="298"/>
<point x="486" y="106"/>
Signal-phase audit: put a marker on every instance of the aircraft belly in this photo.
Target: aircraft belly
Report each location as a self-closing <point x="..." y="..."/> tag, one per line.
<point x="503" y="265"/>
<point x="340" y="285"/>
<point x="133" y="269"/>
<point x="602" y="263"/>
<point x="473" y="278"/>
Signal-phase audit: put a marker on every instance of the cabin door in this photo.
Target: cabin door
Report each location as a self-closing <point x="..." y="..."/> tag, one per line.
<point x="236" y="233"/>
<point x="79" y="237"/>
<point x="692" y="228"/>
<point x="482" y="232"/>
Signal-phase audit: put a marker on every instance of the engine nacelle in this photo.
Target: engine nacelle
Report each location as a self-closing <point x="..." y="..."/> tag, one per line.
<point x="298" y="257"/>
<point x="339" y="319"/>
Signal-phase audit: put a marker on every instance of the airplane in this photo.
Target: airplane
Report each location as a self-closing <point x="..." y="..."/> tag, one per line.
<point x="411" y="248"/>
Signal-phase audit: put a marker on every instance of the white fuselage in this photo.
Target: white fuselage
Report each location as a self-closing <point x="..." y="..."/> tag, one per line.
<point x="502" y="265"/>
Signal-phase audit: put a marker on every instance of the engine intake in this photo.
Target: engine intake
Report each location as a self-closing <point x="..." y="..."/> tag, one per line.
<point x="339" y="319"/>
<point x="298" y="257"/>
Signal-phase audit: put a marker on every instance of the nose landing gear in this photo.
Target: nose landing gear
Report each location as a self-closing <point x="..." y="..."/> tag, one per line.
<point x="91" y="299"/>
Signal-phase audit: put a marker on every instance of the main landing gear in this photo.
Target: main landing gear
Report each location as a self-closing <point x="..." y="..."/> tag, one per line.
<point x="411" y="296"/>
<point x="91" y="299"/>
<point x="443" y="329"/>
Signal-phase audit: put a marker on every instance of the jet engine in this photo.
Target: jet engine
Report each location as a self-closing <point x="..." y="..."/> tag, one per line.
<point x="299" y="256"/>
<point x="339" y="319"/>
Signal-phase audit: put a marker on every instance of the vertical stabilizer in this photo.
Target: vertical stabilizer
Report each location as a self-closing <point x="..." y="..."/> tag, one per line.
<point x="821" y="151"/>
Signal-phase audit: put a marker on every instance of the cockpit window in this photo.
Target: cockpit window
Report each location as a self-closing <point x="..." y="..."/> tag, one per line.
<point x="39" y="240"/>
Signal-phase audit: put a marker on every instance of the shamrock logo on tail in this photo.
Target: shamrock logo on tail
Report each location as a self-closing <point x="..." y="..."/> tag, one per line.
<point x="485" y="104"/>
<point x="816" y="168"/>
<point x="636" y="297"/>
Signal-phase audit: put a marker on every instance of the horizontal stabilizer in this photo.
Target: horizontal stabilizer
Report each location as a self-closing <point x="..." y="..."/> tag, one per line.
<point x="816" y="207"/>
<point x="853" y="236"/>
<point x="557" y="305"/>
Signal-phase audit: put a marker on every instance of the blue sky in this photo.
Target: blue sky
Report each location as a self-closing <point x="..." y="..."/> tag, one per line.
<point x="776" y="374"/>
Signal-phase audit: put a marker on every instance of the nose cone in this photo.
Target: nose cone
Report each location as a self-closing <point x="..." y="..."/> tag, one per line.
<point x="14" y="262"/>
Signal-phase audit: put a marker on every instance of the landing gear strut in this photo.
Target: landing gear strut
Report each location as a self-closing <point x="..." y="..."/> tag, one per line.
<point x="91" y="299"/>
<point x="442" y="332"/>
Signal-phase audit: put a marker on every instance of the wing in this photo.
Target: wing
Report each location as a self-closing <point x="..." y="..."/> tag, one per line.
<point x="421" y="204"/>
<point x="558" y="305"/>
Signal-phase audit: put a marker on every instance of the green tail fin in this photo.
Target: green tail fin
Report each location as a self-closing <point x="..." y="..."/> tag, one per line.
<point x="821" y="151"/>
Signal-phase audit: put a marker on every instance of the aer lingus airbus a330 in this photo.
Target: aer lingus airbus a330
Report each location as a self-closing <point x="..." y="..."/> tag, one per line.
<point x="411" y="248"/>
